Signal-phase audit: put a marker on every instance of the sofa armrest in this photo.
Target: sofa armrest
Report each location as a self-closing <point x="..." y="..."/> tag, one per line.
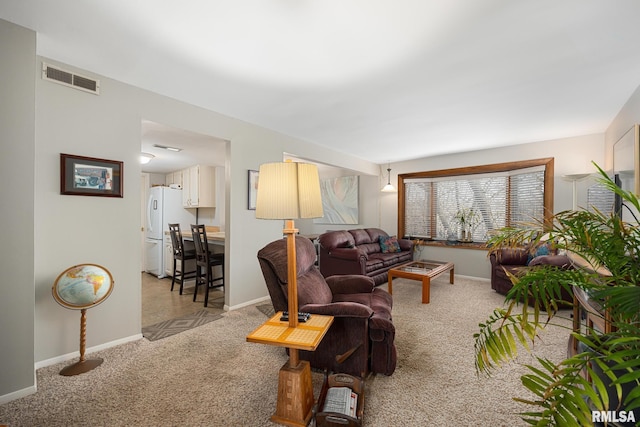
<point x="339" y="309"/>
<point x="510" y="256"/>
<point x="406" y="244"/>
<point x="352" y="254"/>
<point x="350" y="284"/>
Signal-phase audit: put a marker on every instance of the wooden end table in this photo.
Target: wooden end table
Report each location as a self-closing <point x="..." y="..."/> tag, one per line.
<point x="423" y="270"/>
<point x="295" y="389"/>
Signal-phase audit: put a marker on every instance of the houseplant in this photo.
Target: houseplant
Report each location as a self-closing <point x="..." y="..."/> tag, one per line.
<point x="568" y="391"/>
<point x="468" y="219"/>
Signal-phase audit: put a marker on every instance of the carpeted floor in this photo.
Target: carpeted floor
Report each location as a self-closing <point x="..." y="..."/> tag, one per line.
<point x="175" y="326"/>
<point x="210" y="375"/>
<point x="266" y="309"/>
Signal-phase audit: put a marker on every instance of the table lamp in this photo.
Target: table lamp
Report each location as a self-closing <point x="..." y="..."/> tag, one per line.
<point x="286" y="191"/>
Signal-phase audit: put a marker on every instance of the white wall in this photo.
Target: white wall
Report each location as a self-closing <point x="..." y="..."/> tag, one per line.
<point x="72" y="229"/>
<point x="572" y="155"/>
<point x="628" y="116"/>
<point x="17" y="168"/>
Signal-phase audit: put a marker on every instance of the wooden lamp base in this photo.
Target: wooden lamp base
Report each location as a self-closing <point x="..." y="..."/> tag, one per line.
<point x="295" y="395"/>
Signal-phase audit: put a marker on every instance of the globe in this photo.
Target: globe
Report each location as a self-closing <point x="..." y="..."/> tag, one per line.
<point x="82" y="286"/>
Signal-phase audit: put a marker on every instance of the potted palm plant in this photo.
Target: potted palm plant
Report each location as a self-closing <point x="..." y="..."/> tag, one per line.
<point x="602" y="375"/>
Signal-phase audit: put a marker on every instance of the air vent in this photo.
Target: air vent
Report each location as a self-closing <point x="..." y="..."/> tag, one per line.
<point x="70" y="79"/>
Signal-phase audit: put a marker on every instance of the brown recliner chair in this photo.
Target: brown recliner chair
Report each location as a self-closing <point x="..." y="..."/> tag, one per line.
<point x="361" y="338"/>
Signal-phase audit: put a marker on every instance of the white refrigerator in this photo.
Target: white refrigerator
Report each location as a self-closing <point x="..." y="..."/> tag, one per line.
<point x="164" y="207"/>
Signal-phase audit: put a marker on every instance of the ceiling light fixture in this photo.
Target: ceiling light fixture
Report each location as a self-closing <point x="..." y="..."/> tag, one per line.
<point x="388" y="188"/>
<point x="145" y="158"/>
<point x="165" y="147"/>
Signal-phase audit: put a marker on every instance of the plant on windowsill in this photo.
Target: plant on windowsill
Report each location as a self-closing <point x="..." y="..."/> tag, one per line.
<point x="468" y="219"/>
<point x="418" y="246"/>
<point x="567" y="391"/>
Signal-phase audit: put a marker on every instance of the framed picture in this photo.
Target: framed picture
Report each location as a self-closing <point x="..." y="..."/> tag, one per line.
<point x="339" y="200"/>
<point x="253" y="189"/>
<point x="88" y="176"/>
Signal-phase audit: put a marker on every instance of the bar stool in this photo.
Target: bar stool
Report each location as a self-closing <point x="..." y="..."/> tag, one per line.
<point x="206" y="260"/>
<point x="182" y="255"/>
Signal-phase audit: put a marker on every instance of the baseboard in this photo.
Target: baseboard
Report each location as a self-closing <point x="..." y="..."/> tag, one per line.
<point x="17" y="394"/>
<point x="481" y="279"/>
<point x="245" y="304"/>
<point x="69" y="356"/>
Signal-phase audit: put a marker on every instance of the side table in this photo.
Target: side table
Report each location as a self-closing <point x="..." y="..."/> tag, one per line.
<point x="295" y="389"/>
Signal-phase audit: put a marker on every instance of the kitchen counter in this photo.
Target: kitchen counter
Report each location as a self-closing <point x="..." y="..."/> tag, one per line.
<point x="212" y="236"/>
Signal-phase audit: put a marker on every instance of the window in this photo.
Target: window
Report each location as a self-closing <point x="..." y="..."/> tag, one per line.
<point x="491" y="197"/>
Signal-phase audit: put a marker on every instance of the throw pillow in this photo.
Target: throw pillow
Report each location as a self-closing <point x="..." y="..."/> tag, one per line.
<point x="389" y="244"/>
<point x="540" y="250"/>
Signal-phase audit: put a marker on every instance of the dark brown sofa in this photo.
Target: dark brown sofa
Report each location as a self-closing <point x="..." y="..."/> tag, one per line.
<point x="358" y="252"/>
<point x="361" y="337"/>
<point x="515" y="261"/>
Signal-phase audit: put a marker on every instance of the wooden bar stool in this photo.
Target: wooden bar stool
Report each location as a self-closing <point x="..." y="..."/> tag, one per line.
<point x="182" y="255"/>
<point x="205" y="262"/>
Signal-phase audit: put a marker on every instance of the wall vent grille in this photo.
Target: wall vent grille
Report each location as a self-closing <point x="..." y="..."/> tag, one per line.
<point x="67" y="78"/>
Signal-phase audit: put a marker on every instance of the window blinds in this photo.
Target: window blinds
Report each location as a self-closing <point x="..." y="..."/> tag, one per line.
<point x="494" y="200"/>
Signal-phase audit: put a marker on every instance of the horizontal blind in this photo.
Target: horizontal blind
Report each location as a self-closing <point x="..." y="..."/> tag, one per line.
<point x="417" y="211"/>
<point x="485" y="196"/>
<point x="527" y="198"/>
<point x="600" y="199"/>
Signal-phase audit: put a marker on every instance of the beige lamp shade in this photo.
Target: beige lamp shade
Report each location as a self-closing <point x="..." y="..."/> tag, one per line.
<point x="288" y="190"/>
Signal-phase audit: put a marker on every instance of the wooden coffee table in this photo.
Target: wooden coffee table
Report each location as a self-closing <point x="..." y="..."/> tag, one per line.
<point x="423" y="270"/>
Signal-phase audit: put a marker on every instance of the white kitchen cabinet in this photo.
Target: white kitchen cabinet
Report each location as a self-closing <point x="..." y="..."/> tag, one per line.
<point x="174" y="178"/>
<point x="198" y="190"/>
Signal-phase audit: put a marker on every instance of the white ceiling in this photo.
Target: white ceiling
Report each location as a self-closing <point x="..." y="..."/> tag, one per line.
<point x="196" y="148"/>
<point x="364" y="77"/>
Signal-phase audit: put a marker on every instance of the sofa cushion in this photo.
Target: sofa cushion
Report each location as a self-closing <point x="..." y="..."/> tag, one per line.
<point x="375" y="233"/>
<point x="360" y="236"/>
<point x="373" y="264"/>
<point x="387" y="259"/>
<point x="539" y="251"/>
<point x="561" y="261"/>
<point x="389" y="244"/>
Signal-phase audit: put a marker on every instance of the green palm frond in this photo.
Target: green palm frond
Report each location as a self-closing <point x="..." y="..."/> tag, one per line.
<point x="607" y="364"/>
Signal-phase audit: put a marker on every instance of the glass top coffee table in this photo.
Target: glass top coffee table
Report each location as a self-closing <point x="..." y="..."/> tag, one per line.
<point x="423" y="270"/>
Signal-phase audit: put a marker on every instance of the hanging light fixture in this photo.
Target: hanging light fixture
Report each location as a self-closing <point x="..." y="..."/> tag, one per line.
<point x="388" y="188"/>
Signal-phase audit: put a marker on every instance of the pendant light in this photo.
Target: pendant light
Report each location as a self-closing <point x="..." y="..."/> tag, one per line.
<point x="388" y="188"/>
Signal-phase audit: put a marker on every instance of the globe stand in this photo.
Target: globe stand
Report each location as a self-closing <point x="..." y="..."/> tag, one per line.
<point x="81" y="366"/>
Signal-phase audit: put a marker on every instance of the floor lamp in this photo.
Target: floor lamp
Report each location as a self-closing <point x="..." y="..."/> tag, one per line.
<point x="574" y="178"/>
<point x="287" y="191"/>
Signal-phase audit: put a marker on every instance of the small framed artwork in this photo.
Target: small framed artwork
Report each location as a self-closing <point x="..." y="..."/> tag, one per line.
<point x="88" y="176"/>
<point x="253" y="189"/>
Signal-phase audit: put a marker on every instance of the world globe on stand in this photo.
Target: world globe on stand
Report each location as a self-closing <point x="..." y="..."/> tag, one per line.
<point x="81" y="287"/>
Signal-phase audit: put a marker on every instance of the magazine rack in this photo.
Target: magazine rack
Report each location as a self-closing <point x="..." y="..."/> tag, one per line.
<point x="335" y="419"/>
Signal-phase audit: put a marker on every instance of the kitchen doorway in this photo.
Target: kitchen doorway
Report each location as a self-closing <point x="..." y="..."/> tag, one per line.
<point x="171" y="153"/>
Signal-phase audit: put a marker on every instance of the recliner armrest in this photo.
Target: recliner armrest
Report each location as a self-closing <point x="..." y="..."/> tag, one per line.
<point x="350" y="284"/>
<point x="378" y="325"/>
<point x="339" y="309"/>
